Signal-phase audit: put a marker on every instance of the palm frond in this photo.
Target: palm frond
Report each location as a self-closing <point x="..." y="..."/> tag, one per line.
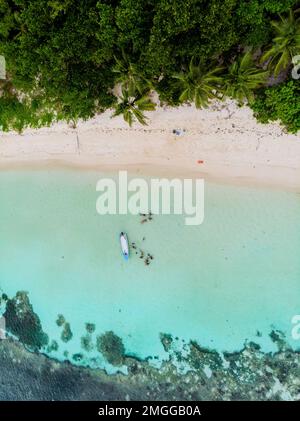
<point x="198" y="85"/>
<point x="145" y="104"/>
<point x="243" y="78"/>
<point x="285" y="43"/>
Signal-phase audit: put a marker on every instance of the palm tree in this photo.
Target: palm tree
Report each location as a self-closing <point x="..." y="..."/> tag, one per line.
<point x="129" y="75"/>
<point x="199" y="86"/>
<point x="286" y="42"/>
<point x="243" y="78"/>
<point x="132" y="104"/>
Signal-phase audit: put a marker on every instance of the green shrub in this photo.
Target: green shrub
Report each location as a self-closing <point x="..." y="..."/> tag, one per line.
<point x="281" y="102"/>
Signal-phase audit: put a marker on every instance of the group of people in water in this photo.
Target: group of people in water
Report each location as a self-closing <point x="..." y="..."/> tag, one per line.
<point x="147" y="257"/>
<point x="146" y="217"/>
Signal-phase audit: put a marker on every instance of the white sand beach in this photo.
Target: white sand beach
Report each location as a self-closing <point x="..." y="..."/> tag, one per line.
<point x="223" y="143"/>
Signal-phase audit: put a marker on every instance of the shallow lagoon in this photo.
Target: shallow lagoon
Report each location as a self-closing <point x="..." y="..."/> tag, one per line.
<point x="234" y="278"/>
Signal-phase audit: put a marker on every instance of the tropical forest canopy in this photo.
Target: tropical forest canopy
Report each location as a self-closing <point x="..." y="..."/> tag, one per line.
<point x="64" y="57"/>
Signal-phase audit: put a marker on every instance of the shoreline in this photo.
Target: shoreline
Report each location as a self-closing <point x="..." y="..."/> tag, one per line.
<point x="290" y="183"/>
<point x="234" y="148"/>
<point x="204" y="381"/>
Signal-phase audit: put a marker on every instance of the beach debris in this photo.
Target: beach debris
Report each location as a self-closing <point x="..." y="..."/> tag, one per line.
<point x="179" y="132"/>
<point x="200" y="161"/>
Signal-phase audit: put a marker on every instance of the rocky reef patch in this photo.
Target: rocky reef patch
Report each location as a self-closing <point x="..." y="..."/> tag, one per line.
<point x="22" y="322"/>
<point x="190" y="371"/>
<point x="245" y="375"/>
<point x="112" y="348"/>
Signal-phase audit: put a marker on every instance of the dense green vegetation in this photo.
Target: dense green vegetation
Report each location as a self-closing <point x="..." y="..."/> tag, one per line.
<point x="279" y="102"/>
<point x="64" y="57"/>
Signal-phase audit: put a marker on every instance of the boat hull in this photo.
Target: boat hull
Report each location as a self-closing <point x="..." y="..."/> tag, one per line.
<point x="124" y="246"/>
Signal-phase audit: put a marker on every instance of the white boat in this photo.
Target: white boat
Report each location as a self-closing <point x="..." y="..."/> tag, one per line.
<point x="124" y="245"/>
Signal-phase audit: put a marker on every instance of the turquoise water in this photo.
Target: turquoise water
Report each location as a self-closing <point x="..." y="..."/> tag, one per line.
<point x="218" y="283"/>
